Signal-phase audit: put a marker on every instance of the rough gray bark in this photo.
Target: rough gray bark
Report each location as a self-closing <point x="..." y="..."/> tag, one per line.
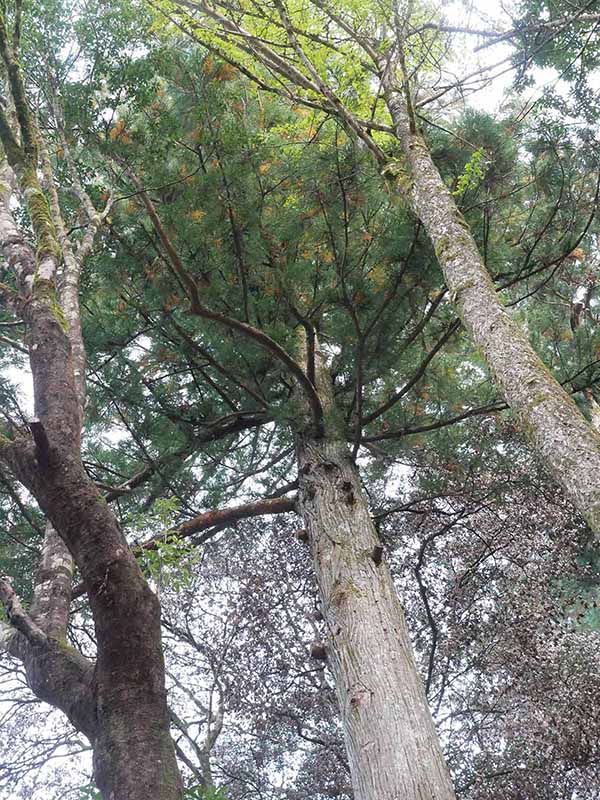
<point x="393" y="747"/>
<point x="562" y="437"/>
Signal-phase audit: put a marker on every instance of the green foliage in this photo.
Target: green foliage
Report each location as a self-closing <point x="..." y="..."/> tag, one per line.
<point x="473" y="174"/>
<point x="326" y="58"/>
<point x="89" y="792"/>
<point x="283" y="220"/>
<point x="171" y="564"/>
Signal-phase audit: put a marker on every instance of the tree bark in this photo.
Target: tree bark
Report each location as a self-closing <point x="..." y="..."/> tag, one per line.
<point x="567" y="444"/>
<point x="134" y="757"/>
<point x="123" y="698"/>
<point x="393" y="747"/>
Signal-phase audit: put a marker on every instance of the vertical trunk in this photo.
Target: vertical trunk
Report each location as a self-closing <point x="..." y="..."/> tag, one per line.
<point x="56" y="672"/>
<point x="393" y="747"/>
<point x="560" y="434"/>
<point x="53" y="583"/>
<point x="52" y="589"/>
<point x="134" y="757"/>
<point x="392" y="744"/>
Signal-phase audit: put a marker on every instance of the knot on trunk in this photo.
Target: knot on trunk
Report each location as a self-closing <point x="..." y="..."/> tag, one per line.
<point x="302" y="535"/>
<point x="348" y="493"/>
<point x="318" y="651"/>
<point x="42" y="445"/>
<point x="377" y="554"/>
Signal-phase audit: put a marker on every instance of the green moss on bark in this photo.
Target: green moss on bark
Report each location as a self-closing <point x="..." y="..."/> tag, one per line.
<point x="45" y="290"/>
<point x="442" y="246"/>
<point x="41" y="218"/>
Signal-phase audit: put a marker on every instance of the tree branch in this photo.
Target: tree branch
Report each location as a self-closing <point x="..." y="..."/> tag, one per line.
<point x="212" y="522"/>
<point x="198" y="308"/>
<point x="17" y="616"/>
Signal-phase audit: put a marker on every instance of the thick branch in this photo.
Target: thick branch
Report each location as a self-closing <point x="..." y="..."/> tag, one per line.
<point x="212" y="522"/>
<point x="222" y="517"/>
<point x="56" y="672"/>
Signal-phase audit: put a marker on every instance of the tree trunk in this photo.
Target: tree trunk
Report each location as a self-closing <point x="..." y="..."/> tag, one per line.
<point x="134" y="757"/>
<point x="393" y="747"/>
<point x="392" y="744"/>
<point x="547" y="413"/>
<point x="121" y="702"/>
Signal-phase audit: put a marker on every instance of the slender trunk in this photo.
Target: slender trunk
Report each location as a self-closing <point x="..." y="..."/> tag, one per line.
<point x="547" y="413"/>
<point x="134" y="757"/>
<point x="52" y="587"/>
<point x="393" y="747"/>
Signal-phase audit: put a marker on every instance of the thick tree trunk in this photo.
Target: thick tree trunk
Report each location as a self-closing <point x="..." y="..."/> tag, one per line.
<point x="134" y="757"/>
<point x="392" y="744"/>
<point x="547" y="413"/>
<point x="121" y="703"/>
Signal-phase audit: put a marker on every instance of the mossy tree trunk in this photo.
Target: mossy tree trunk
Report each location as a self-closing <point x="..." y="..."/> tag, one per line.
<point x="562" y="437"/>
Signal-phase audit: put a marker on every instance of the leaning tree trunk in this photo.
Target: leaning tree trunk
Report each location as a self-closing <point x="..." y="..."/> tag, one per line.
<point x="547" y="413"/>
<point x="392" y="743"/>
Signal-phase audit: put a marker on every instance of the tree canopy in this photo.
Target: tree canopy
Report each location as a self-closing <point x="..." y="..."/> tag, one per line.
<point x="216" y="220"/>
